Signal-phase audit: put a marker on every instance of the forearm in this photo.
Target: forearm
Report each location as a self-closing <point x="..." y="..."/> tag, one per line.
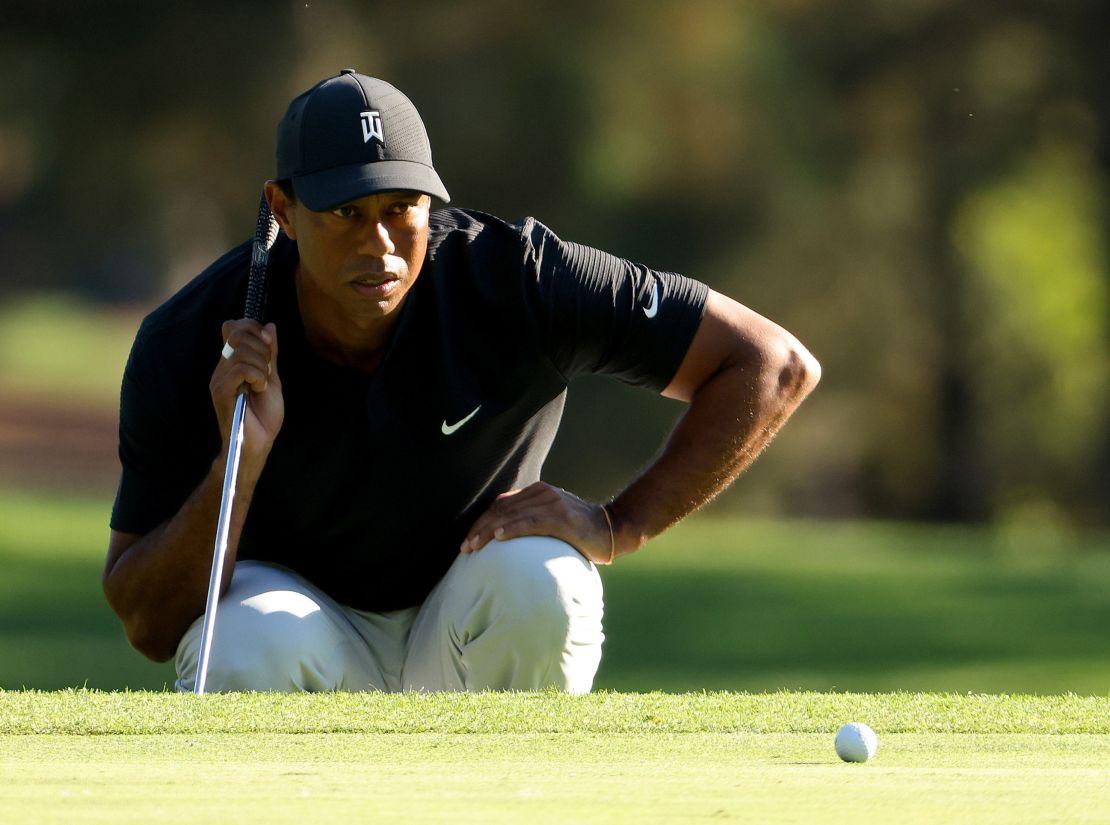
<point x="158" y="585"/>
<point x="158" y="582"/>
<point x="731" y="419"/>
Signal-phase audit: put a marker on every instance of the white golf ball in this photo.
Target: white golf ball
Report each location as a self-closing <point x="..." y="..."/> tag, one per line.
<point x="856" y="742"/>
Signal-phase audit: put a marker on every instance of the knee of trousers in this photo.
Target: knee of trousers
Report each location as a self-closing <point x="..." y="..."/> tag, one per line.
<point x="266" y="638"/>
<point x="540" y="586"/>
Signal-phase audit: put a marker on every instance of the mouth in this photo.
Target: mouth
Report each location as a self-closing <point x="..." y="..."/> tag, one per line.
<point x="376" y="285"/>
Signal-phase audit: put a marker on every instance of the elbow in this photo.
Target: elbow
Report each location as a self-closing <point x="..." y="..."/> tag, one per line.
<point x="147" y="637"/>
<point x="152" y="646"/>
<point x="798" y="372"/>
<point x="809" y="369"/>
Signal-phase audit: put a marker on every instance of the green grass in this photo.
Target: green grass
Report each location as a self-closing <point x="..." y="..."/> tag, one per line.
<point x="735" y="604"/>
<point x="56" y="629"/>
<point x="83" y="756"/>
<point x="86" y="713"/>
<point x="716" y="604"/>
<point x="522" y="778"/>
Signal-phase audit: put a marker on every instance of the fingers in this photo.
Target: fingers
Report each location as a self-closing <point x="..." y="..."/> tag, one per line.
<point x="543" y="510"/>
<point x="249" y="359"/>
<point x="508" y="514"/>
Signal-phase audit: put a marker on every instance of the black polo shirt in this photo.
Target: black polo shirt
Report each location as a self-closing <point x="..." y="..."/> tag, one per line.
<point x="374" y="480"/>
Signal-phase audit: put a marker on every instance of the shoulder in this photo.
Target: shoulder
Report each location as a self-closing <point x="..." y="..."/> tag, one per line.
<point x="493" y="249"/>
<point x="472" y="223"/>
<point x="452" y="230"/>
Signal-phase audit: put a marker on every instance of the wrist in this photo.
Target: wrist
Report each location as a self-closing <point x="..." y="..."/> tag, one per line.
<point x="249" y="469"/>
<point x="625" y="536"/>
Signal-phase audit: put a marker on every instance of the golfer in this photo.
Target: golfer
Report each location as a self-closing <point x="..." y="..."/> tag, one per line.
<point x="390" y="529"/>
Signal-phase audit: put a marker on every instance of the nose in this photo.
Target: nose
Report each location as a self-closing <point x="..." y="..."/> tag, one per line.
<point x="376" y="240"/>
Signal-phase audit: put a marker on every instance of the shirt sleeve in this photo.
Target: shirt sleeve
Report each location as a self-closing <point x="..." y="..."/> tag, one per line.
<point x="606" y="315"/>
<point x="162" y="459"/>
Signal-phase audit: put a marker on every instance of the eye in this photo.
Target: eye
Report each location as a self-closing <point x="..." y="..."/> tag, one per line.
<point x="345" y="211"/>
<point x="402" y="207"/>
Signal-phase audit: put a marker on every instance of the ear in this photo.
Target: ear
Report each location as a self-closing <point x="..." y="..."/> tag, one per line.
<point x="283" y="207"/>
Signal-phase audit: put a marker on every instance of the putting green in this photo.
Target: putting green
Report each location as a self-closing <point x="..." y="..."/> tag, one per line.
<point x="296" y="779"/>
<point x="89" y="757"/>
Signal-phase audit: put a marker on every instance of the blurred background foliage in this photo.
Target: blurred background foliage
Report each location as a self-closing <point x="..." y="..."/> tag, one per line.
<point x="917" y="188"/>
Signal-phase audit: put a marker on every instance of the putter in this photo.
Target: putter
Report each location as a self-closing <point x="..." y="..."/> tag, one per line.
<point x="265" y="234"/>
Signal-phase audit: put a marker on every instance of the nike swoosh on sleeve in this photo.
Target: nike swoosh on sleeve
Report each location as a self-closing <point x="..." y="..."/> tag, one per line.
<point x="651" y="309"/>
<point x="447" y="429"/>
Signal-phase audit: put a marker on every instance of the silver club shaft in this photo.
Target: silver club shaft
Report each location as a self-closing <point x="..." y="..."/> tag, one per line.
<point x="219" y="552"/>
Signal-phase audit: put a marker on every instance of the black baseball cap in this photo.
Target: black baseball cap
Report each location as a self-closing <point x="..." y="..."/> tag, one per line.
<point x="350" y="136"/>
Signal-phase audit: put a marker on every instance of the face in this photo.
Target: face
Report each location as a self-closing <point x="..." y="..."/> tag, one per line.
<point x="359" y="260"/>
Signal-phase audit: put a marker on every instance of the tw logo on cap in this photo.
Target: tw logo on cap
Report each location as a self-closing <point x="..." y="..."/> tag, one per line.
<point x="372" y="127"/>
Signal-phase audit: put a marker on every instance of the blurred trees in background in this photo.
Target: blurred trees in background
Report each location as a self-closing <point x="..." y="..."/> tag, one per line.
<point x="917" y="188"/>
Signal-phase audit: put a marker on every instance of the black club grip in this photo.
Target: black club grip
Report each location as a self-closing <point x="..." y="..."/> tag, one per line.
<point x="265" y="233"/>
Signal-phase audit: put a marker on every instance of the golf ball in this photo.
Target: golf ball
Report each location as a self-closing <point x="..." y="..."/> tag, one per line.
<point x="856" y="742"/>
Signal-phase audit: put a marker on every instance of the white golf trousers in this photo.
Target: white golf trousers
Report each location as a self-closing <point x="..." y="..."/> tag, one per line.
<point x="521" y="614"/>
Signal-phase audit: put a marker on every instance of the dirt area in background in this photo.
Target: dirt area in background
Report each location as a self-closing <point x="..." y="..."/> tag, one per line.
<point x="45" y="443"/>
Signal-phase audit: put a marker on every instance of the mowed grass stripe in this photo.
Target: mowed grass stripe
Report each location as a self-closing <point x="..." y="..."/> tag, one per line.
<point x="281" y="779"/>
<point x="84" y="712"/>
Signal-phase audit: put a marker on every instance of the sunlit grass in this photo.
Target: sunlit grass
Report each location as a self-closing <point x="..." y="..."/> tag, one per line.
<point x="120" y="758"/>
<point x="84" y="712"/>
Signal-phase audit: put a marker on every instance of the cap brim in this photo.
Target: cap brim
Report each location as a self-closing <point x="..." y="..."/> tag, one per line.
<point x="326" y="190"/>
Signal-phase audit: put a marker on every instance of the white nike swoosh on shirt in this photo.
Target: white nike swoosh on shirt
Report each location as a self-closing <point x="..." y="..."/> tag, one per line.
<point x="447" y="429"/>
<point x="651" y="309"/>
